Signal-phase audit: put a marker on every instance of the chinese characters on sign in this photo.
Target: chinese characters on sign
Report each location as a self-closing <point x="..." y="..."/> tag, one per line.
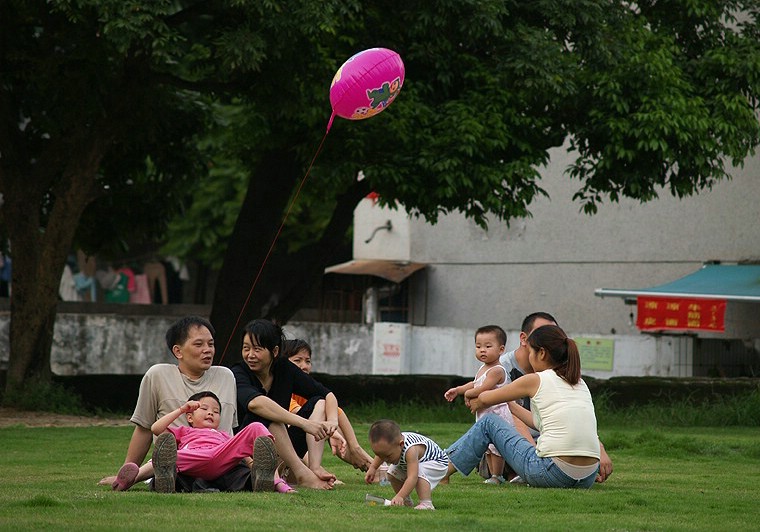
<point x="390" y="348"/>
<point x="678" y="313"/>
<point x="596" y="353"/>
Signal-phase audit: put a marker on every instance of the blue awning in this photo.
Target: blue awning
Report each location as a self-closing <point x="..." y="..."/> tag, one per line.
<point x="732" y="282"/>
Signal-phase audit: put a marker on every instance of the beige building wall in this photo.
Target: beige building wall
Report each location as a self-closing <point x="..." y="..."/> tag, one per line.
<point x="555" y="260"/>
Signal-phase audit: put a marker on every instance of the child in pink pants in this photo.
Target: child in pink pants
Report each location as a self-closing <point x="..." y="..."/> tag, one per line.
<point x="203" y="451"/>
<point x="208" y="454"/>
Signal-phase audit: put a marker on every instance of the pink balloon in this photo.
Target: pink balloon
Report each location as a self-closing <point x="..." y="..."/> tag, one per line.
<point x="366" y="84"/>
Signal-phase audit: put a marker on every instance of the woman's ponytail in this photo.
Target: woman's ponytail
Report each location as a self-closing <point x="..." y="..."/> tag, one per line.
<point x="562" y="350"/>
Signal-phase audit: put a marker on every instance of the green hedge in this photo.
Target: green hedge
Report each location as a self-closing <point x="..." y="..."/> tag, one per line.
<point x="118" y="393"/>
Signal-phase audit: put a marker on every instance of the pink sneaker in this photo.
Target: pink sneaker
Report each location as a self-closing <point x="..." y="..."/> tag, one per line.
<point x="427" y="505"/>
<point x="280" y="486"/>
<point x="126" y="476"/>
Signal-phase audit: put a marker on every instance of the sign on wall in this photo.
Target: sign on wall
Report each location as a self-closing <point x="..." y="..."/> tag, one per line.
<point x="389" y="348"/>
<point x="597" y="354"/>
<point x="680" y="313"/>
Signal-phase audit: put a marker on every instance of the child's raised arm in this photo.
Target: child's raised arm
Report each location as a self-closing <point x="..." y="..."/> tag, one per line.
<point x="452" y="393"/>
<point x="525" y="386"/>
<point x="163" y="423"/>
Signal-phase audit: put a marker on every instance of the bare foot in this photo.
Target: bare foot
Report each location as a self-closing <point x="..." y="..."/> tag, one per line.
<point x="316" y="483"/>
<point x="323" y="474"/>
<point x="360" y="459"/>
<point x="445" y="479"/>
<point x="107" y="481"/>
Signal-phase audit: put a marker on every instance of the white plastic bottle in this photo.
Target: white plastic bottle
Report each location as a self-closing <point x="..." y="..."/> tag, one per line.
<point x="372" y="500"/>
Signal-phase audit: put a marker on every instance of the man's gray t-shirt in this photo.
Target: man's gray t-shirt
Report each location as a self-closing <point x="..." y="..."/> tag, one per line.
<point x="164" y="389"/>
<point x="514" y="371"/>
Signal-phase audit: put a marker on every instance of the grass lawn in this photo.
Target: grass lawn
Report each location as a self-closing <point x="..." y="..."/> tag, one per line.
<point x="685" y="478"/>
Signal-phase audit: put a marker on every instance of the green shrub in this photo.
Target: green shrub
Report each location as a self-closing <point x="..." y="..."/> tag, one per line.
<point x="405" y="412"/>
<point x="41" y="395"/>
<point x="723" y="411"/>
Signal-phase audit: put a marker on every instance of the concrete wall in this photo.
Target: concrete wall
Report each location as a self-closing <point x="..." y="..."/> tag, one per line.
<point x="113" y="344"/>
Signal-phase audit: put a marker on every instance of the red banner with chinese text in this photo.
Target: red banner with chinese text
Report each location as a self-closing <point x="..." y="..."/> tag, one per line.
<point x="679" y="313"/>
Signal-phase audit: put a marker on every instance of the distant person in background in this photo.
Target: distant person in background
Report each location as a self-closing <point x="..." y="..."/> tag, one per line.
<point x="344" y="442"/>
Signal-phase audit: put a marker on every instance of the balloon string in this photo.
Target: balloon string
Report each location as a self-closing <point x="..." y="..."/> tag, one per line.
<point x="329" y="124"/>
<point x="274" y="241"/>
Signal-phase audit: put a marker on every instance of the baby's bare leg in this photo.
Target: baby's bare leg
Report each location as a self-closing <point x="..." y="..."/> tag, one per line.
<point x="495" y="464"/>
<point x="396" y="485"/>
<point x="423" y="489"/>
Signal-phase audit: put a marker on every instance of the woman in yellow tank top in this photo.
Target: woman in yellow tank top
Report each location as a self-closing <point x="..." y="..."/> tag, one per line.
<point x="566" y="454"/>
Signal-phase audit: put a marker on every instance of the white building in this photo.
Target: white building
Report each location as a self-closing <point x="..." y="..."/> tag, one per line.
<point x="461" y="277"/>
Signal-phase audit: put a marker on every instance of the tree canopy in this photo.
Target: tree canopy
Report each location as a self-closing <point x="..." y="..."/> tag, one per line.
<point x="649" y="101"/>
<point x="101" y="102"/>
<point x="105" y="101"/>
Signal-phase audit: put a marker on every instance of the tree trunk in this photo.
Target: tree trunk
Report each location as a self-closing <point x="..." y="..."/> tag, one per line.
<point x="286" y="279"/>
<point x="39" y="248"/>
<point x="308" y="266"/>
<point x="256" y="227"/>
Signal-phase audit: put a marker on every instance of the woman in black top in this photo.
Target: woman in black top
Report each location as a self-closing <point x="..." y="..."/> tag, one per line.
<point x="265" y="382"/>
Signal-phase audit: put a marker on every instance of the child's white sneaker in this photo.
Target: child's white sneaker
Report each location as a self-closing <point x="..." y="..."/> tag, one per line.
<point x="495" y="479"/>
<point x="426" y="505"/>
